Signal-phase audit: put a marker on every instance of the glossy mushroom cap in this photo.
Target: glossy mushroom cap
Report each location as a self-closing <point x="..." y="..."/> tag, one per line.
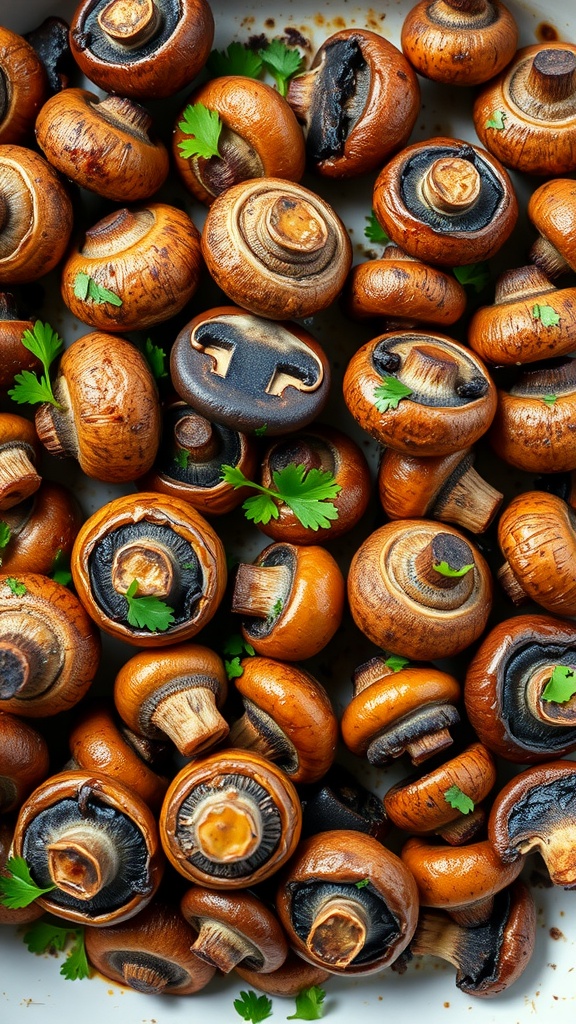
<point x="287" y="981"/>
<point x="23" y="87"/>
<point x="552" y="210"/>
<point x="234" y="928"/>
<point x="42" y="531"/>
<point x="19" y="455"/>
<point x="17" y="915"/>
<point x="14" y="357"/>
<point x="24" y="761"/>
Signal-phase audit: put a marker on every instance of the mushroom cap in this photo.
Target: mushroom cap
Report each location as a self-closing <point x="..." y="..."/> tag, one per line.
<point x="401" y="287"/>
<point x="287" y="981"/>
<point x="14" y="357"/>
<point x="19" y="456"/>
<point x="451" y="877"/>
<point x="25" y="87"/>
<point x="243" y="914"/>
<point x="552" y="210"/>
<point x="18" y="915"/>
<point x="42" y="531"/>
<point x="24" y="761"/>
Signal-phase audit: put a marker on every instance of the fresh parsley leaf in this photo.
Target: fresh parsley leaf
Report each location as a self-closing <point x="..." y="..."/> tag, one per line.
<point x="233" y="668"/>
<point x="236" y="59"/>
<point x="182" y="458"/>
<point x="282" y="63"/>
<point x="561" y="686"/>
<point x="61" y="569"/>
<point x="260" y="431"/>
<point x="17" y="888"/>
<point x="204" y="126"/>
<point x="396" y="662"/>
<point x="86" y="287"/>
<point x="309" y="1002"/>
<point x="15" y="586"/>
<point x="76" y="966"/>
<point x="305" y="492"/>
<point x="44" y="937"/>
<point x="156" y="359"/>
<point x="546" y="314"/>
<point x="148" y="612"/>
<point x="496" y="120"/>
<point x="277" y="609"/>
<point x="446" y="570"/>
<point x="475" y="276"/>
<point x="549" y="399"/>
<point x="362" y="884"/>
<point x="46" y="345"/>
<point x="5" y="534"/>
<point x="253" y="1007"/>
<point x="236" y="644"/>
<point x="390" y="393"/>
<point x="374" y="231"/>
<point x="458" y="800"/>
<point x="188" y="565"/>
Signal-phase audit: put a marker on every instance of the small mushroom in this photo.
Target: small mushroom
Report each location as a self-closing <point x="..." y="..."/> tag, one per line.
<point x="259" y="138"/>
<point x="150" y="953"/>
<point x="505" y="684"/>
<point x="404" y="290"/>
<point x="393" y="712"/>
<point x="108" y="416"/>
<point x="95" y="841"/>
<point x="49" y="647"/>
<point x="103" y="144"/>
<point x="175" y="694"/>
<point x="446" y="201"/>
<point x="133" y="269"/>
<point x="42" y="531"/>
<point x="19" y="455"/>
<point x="142" y="48"/>
<point x="24" y="761"/>
<point x="338" y="800"/>
<point x="419" y="590"/>
<point x="291" y="599"/>
<point x="234" y="928"/>
<point x="459" y="42"/>
<point x="347" y="903"/>
<point x="536" y="811"/>
<point x="14" y="357"/>
<point x="420" y="393"/>
<point x="250" y="374"/>
<point x="420" y="805"/>
<point x="286" y="981"/>
<point x="287" y="718"/>
<point x="353" y="77"/>
<point x="23" y="87"/>
<point x="536" y="534"/>
<point x="276" y="248"/>
<point x="447" y="488"/>
<point x="35" y="216"/>
<point x="171" y="552"/>
<point x="17" y="915"/>
<point x="230" y="820"/>
<point x="526" y="116"/>
<point x="552" y="210"/>
<point x="489" y="958"/>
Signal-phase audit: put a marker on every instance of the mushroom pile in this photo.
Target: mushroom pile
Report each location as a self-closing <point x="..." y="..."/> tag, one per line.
<point x="242" y="567"/>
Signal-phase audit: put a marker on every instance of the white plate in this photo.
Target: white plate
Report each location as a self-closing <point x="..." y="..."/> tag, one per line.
<point x="31" y="988"/>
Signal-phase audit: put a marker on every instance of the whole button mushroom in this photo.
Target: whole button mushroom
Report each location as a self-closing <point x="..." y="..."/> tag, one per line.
<point x="288" y="718"/>
<point x="347" y="903"/>
<point x="234" y="928"/>
<point x="259" y="137"/>
<point x="552" y="210"/>
<point x="354" y="76"/>
<point x="49" y="646"/>
<point x="92" y="844"/>
<point x="419" y="590"/>
<point x="103" y="145"/>
<point x="526" y="117"/>
<point x="291" y="599"/>
<point x="13" y="915"/>
<point x="23" y="87"/>
<point x="133" y="269"/>
<point x="517" y="689"/>
<point x="459" y="42"/>
<point x="247" y="373"/>
<point x="14" y="357"/>
<point x="142" y="48"/>
<point x="230" y="820"/>
<point x="19" y="455"/>
<point x="286" y="981"/>
<point x="42" y="531"/>
<point x="175" y="694"/>
<point x="153" y="549"/>
<point x="419" y="393"/>
<point x="150" y="953"/>
<point x="339" y="801"/>
<point x="396" y="711"/>
<point x="24" y="761"/>
<point x="108" y="411"/>
<point x="276" y="248"/>
<point x="446" y="201"/>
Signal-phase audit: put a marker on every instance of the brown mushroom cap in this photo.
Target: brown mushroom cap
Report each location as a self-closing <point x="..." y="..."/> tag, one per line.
<point x="14" y="357"/>
<point x="19" y="454"/>
<point x="18" y="915"/>
<point x="287" y="981"/>
<point x="234" y="928"/>
<point x="552" y="210"/>
<point x="24" y="761"/>
<point x="23" y="89"/>
<point x="42" y="531"/>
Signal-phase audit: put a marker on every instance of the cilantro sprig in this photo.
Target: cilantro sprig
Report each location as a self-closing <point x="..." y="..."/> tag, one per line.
<point x="310" y="1001"/>
<point x="45" y="937"/>
<point x="236" y="59"/>
<point x="561" y="686"/>
<point x="374" y="231"/>
<point x="390" y="393"/>
<point x="473" y="275"/>
<point x="306" y="492"/>
<point x="253" y="1007"/>
<point x="147" y="612"/>
<point x="236" y="647"/>
<point x="282" y="63"/>
<point x="459" y="800"/>
<point x="61" y="569"/>
<point x="446" y="570"/>
<point x="496" y="120"/>
<point x="46" y="345"/>
<point x="5" y="534"/>
<point x="17" y="887"/>
<point x="85" y="287"/>
<point x="396" y="662"/>
<point x="204" y="127"/>
<point x="156" y="359"/>
<point x="16" y="586"/>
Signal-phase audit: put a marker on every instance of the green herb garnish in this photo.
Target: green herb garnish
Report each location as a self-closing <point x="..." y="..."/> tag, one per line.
<point x="561" y="686"/>
<point x="204" y="126"/>
<point x="374" y="231"/>
<point x="546" y="314"/>
<point x="253" y="1007"/>
<point x="182" y="458"/>
<point x="475" y="276"/>
<point x="17" y="887"/>
<point x="363" y="883"/>
<point x="309" y="1003"/>
<point x="396" y="662"/>
<point x="446" y="570"/>
<point x="277" y="609"/>
<point x="549" y="399"/>
<point x="5" y="534"/>
<point x="390" y="393"/>
<point x="236" y="59"/>
<point x="306" y="492"/>
<point x="156" y="359"/>
<point x="458" y="800"/>
<point x="148" y="612"/>
<point x="496" y="120"/>
<point x="236" y="647"/>
<point x="46" y="345"/>
<point x="45" y="937"/>
<point x="260" y="431"/>
<point x="15" y="586"/>
<point x="61" y="569"/>
<point x="86" y="287"/>
<point x="282" y="63"/>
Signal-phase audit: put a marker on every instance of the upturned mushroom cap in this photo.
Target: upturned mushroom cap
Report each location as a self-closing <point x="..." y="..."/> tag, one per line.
<point x="234" y="928"/>
<point x="24" y="761"/>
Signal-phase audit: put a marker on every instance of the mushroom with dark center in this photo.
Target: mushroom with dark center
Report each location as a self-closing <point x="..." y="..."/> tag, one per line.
<point x="234" y="928"/>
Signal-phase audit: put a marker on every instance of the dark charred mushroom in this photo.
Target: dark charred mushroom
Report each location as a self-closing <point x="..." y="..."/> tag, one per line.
<point x="340" y="801"/>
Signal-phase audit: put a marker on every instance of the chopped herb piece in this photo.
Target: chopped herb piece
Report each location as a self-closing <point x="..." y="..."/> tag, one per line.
<point x="260" y="431"/>
<point x="5" y="534"/>
<point x="236" y="644"/>
<point x="458" y="800"/>
<point x="156" y="359"/>
<point x="282" y="63"/>
<point x="45" y="344"/>
<point x="86" y="287"/>
<point x="390" y="393"/>
<point x="309" y="1003"/>
<point x="496" y="120"/>
<point x="15" y="586"/>
<point x="475" y="276"/>
<point x="233" y="668"/>
<point x="305" y="492"/>
<point x="182" y="458"/>
<point x="148" y="612"/>
<point x="446" y="570"/>
<point x="45" y="937"/>
<point x="61" y="569"/>
<point x="546" y="314"/>
<point x="204" y="126"/>
<point x="362" y="884"/>
<point x="17" y="888"/>
<point x="252" y="1007"/>
<point x="277" y="609"/>
<point x="236" y="59"/>
<point x="374" y="231"/>
<point x="396" y="662"/>
<point x="188" y="565"/>
<point x="561" y="686"/>
<point x="549" y="399"/>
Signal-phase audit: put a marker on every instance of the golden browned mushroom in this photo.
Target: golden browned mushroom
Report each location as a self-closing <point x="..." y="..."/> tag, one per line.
<point x="24" y="761"/>
<point x="16" y="915"/>
<point x="552" y="210"/>
<point x="287" y="981"/>
<point x="234" y="928"/>
<point x="42" y="531"/>
<point x="19" y="455"/>
<point x="14" y="357"/>
<point x="23" y="87"/>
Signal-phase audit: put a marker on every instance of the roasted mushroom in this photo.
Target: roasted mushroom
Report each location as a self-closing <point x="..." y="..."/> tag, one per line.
<point x="286" y="981"/>
<point x="23" y="87"/>
<point x="552" y="210"/>
<point x="24" y="761"/>
<point x="234" y="928"/>
<point x="13" y="915"/>
<point x="42" y="531"/>
<point x="14" y="357"/>
<point x="19" y="455"/>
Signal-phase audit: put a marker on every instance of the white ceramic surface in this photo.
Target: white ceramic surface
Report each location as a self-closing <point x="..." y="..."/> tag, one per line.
<point x="31" y="989"/>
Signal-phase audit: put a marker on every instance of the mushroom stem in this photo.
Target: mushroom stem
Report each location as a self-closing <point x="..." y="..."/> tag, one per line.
<point x="423" y="747"/>
<point x="546" y="256"/>
<point x="248" y="733"/>
<point x="221" y="946"/>
<point x="430" y="371"/>
<point x="293" y="226"/>
<point x="195" y="435"/>
<point x="558" y="850"/>
<point x="521" y="283"/>
<point x="338" y="933"/>
<point x="18" y="477"/>
<point x="129" y="23"/>
<point x="227" y="826"/>
<point x="437" y="935"/>
<point x="369" y="672"/>
<point x="144" y="978"/>
<point x="510" y="585"/>
<point x="191" y="719"/>
<point x="462" y="830"/>
<point x="82" y="861"/>
<point x="467" y="6"/>
<point x="131" y="116"/>
<point x="8" y="794"/>
<point x="258" y="588"/>
<point x="30" y="656"/>
<point x="471" y="502"/>
<point x="150" y="563"/>
<point x="474" y="914"/>
<point x="552" y="713"/>
<point x="552" y="76"/>
<point x="451" y="185"/>
<point x="116" y="232"/>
